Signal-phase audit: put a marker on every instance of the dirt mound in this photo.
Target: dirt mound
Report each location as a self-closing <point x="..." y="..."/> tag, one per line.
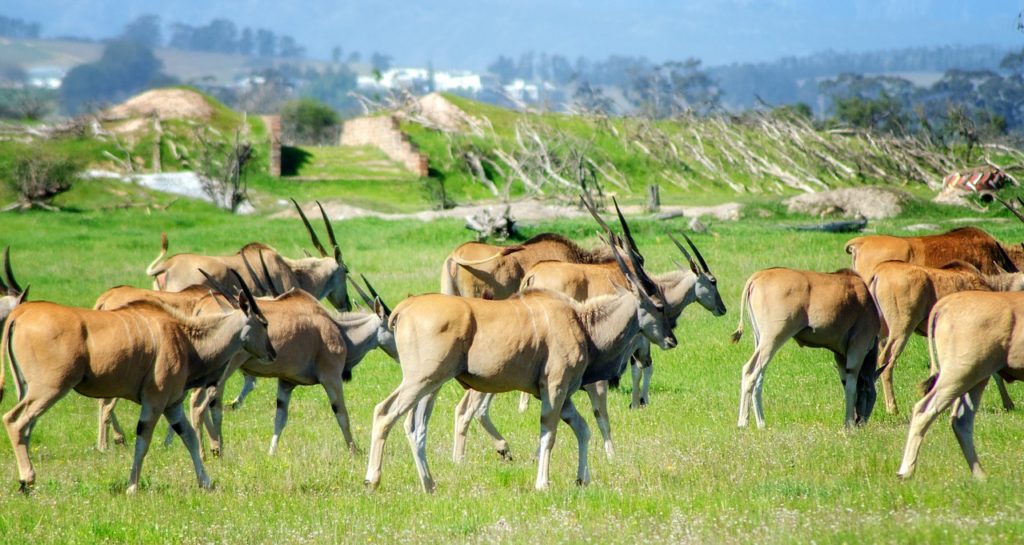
<point x="446" y="116"/>
<point x="869" y="202"/>
<point x="165" y="103"/>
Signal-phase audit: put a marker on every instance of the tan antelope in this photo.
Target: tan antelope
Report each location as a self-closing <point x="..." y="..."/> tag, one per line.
<point x="146" y="352"/>
<point x="12" y="293"/>
<point x="183" y="301"/>
<point x="973" y="335"/>
<point x="322" y="277"/>
<point x="314" y="346"/>
<point x="905" y="295"/>
<point x="581" y="282"/>
<point x="820" y="310"/>
<point x="538" y="341"/>
<point x="968" y="244"/>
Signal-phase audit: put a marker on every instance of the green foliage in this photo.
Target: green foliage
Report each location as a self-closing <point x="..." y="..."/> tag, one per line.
<point x="332" y="87"/>
<point x="39" y="175"/>
<point x="31" y="104"/>
<point x="308" y="121"/>
<point x="884" y="113"/>
<point x="124" y="69"/>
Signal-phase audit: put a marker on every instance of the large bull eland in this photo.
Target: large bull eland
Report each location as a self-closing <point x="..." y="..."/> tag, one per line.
<point x="322" y="277"/>
<point x="968" y="244"/>
<point x="820" y="310"/>
<point x="905" y="295"/>
<point x="538" y="341"/>
<point x="146" y="352"/>
<point x="973" y="335"/>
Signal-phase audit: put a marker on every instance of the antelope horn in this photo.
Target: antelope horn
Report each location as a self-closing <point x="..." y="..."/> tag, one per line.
<point x="593" y="212"/>
<point x="625" y="229"/>
<point x="220" y="287"/>
<point x="1011" y="208"/>
<point x="327" y="223"/>
<point x="689" y="258"/>
<point x="312" y="234"/>
<point x="4" y="286"/>
<point x="628" y="273"/>
<point x="256" y="282"/>
<point x="362" y="294"/>
<point x="369" y="286"/>
<point x="12" y="284"/>
<point x="266" y="276"/>
<point x="248" y="294"/>
<point x="700" y="258"/>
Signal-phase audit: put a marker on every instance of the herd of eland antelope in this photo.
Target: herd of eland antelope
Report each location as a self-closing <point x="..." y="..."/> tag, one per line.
<point x="545" y="318"/>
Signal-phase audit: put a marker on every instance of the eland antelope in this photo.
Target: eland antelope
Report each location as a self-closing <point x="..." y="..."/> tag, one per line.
<point x="820" y="310"/>
<point x="968" y="244"/>
<point x="972" y="336"/>
<point x="146" y="352"/>
<point x="905" y="295"/>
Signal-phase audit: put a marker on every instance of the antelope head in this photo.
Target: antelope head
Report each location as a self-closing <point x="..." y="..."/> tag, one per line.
<point x="254" y="336"/>
<point x="331" y="266"/>
<point x="706" y="287"/>
<point x="12" y="294"/>
<point x="385" y="337"/>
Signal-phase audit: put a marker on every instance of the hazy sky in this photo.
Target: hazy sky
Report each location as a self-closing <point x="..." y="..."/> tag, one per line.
<point x="471" y="33"/>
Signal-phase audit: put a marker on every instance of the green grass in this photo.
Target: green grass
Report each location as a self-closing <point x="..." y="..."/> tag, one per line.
<point x="348" y="163"/>
<point x="683" y="472"/>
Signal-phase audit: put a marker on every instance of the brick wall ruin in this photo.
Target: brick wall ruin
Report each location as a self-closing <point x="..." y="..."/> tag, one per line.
<point x="273" y="124"/>
<point x="384" y="132"/>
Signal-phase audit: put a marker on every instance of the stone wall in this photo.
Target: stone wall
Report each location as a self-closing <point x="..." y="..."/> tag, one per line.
<point x="273" y="124"/>
<point x="384" y="133"/>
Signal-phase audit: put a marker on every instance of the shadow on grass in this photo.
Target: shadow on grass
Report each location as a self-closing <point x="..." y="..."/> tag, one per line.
<point x="293" y="159"/>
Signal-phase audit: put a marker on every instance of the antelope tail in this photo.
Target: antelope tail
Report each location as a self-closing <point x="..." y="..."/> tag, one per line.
<point x="738" y="334"/>
<point x="6" y="355"/>
<point x="929" y="383"/>
<point x="153" y="269"/>
<point x="448" y="272"/>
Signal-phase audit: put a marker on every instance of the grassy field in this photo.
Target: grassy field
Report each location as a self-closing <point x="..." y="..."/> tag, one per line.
<point x="683" y="472"/>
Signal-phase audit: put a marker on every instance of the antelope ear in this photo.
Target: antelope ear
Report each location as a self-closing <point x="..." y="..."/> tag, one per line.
<point x="380" y="310"/>
<point x="23" y="295"/>
<point x="225" y="306"/>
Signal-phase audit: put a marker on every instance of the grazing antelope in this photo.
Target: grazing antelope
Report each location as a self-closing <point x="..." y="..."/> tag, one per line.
<point x="973" y="335"/>
<point x="905" y="295"/>
<point x="13" y="294"/>
<point x="538" y="341"/>
<point x="146" y="352"/>
<point x="581" y="282"/>
<point x="820" y="310"/>
<point x="322" y="277"/>
<point x="968" y="244"/>
<point x="183" y="301"/>
<point x="314" y="346"/>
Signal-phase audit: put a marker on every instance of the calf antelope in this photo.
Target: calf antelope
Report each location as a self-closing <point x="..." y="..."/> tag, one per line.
<point x="314" y="346"/>
<point x="973" y="335"/>
<point x="968" y="244"/>
<point x="146" y="352"/>
<point x="322" y="277"/>
<point x="581" y="282"/>
<point x="820" y="310"/>
<point x="13" y="294"/>
<point x="538" y="341"/>
<point x="905" y="295"/>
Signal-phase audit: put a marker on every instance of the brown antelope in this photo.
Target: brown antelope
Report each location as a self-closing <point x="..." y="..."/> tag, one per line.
<point x="905" y="295"/>
<point x="314" y="346"/>
<point x="146" y="352"/>
<point x="183" y="301"/>
<point x="581" y="282"/>
<point x="322" y="277"/>
<point x="968" y="244"/>
<point x="973" y="335"/>
<point x="820" y="310"/>
<point x="13" y="294"/>
<point x="538" y="341"/>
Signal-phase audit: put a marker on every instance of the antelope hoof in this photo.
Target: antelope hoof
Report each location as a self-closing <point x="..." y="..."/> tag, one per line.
<point x="582" y="482"/>
<point x="205" y="483"/>
<point x="235" y="405"/>
<point x="215" y="452"/>
<point x="132" y="489"/>
<point x="370" y="485"/>
<point x="1009" y="406"/>
<point x="428" y="487"/>
<point x="25" y="487"/>
<point x="354" y="450"/>
<point x="119" y="440"/>
<point x="506" y="455"/>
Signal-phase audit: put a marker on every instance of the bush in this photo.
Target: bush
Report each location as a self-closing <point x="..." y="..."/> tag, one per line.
<point x="38" y="176"/>
<point x="308" y="121"/>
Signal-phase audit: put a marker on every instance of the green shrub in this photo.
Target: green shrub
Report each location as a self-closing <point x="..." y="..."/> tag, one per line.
<point x="308" y="121"/>
<point x="39" y="175"/>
